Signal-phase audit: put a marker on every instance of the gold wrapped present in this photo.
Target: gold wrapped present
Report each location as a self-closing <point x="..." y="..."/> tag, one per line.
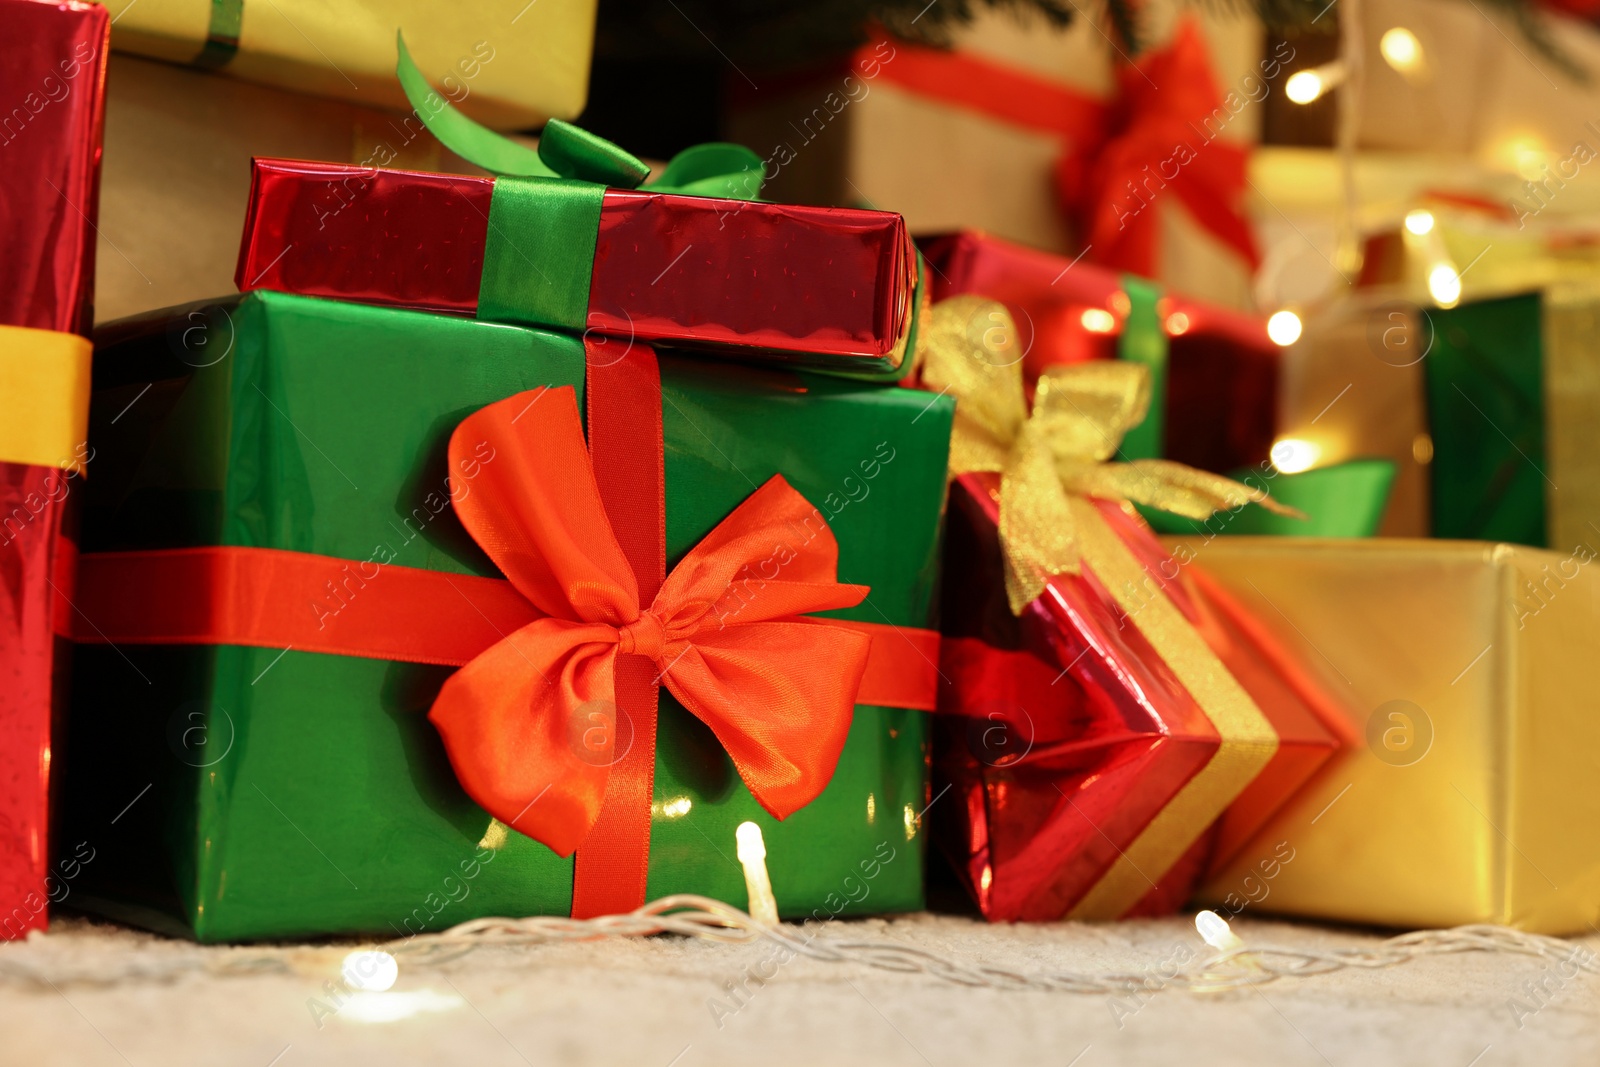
<point x="1468" y="667"/>
<point x="509" y="64"/>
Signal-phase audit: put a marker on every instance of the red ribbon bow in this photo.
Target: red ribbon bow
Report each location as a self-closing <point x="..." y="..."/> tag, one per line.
<point x="724" y="633"/>
<point x="1164" y="128"/>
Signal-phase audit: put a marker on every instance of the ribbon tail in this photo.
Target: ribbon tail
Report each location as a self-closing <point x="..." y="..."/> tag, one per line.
<point x="730" y="171"/>
<point x="1036" y="525"/>
<point x="1211" y="193"/>
<point x="530" y="725"/>
<point x="780" y="696"/>
<point x="1179" y="489"/>
<point x="470" y="140"/>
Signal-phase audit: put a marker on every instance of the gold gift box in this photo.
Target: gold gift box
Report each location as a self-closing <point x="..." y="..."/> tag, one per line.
<point x="510" y="64"/>
<point x="1472" y="791"/>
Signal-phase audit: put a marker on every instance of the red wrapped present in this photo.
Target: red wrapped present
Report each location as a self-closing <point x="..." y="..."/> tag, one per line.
<point x="1115" y="727"/>
<point x="567" y="237"/>
<point x="52" y="77"/>
<point x="826" y="285"/>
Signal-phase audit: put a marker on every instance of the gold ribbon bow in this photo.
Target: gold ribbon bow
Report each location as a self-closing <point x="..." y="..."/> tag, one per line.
<point x="1059" y="450"/>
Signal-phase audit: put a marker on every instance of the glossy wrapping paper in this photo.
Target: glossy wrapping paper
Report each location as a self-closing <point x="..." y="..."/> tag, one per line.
<point x="1068" y="736"/>
<point x="1474" y="795"/>
<point x="52" y="70"/>
<point x="825" y="287"/>
<point x="257" y="753"/>
<point x="1512" y="400"/>
<point x="1222" y="375"/>
<point x="1486" y="414"/>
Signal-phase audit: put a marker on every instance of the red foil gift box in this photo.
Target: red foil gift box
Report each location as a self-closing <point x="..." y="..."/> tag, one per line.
<point x="825" y="287"/>
<point x="52" y="79"/>
<point x="1072" y="740"/>
<point x="1111" y="725"/>
<point x="1221" y="368"/>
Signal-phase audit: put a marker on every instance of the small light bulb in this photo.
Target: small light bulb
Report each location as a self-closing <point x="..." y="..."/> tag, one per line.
<point x="1098" y="320"/>
<point x="752" y="850"/>
<point x="1177" y="324"/>
<point x="1444" y="285"/>
<point x="1303" y="86"/>
<point x="370" y="970"/>
<point x="1291" y="455"/>
<point x="1214" y="931"/>
<point x="1419" y="222"/>
<point x="1284" y="328"/>
<point x="1401" y="49"/>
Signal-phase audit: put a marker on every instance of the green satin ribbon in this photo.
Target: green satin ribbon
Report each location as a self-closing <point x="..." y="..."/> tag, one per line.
<point x="1342" y="500"/>
<point x="1144" y="340"/>
<point x="222" y="34"/>
<point x="544" y="216"/>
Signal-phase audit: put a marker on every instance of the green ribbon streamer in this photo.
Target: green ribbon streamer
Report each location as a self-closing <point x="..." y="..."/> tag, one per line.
<point x="1342" y="500"/>
<point x="1144" y="340"/>
<point x="544" y="214"/>
<point x="222" y="34"/>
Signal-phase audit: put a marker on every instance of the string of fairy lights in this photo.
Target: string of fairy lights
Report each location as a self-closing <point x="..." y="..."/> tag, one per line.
<point x="369" y="974"/>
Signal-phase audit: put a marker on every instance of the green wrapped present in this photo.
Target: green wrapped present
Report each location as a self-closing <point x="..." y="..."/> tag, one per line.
<point x="292" y="546"/>
<point x="1513" y="394"/>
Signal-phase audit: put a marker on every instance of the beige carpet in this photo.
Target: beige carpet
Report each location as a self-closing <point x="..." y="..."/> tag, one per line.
<point x="664" y="1002"/>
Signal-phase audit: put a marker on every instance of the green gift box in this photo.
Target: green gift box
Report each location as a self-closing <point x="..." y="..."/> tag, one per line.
<point x="236" y="792"/>
<point x="1513" y="395"/>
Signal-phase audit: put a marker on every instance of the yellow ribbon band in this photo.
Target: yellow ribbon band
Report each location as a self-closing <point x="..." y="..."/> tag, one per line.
<point x="1248" y="741"/>
<point x="44" y="387"/>
<point x="1053" y="461"/>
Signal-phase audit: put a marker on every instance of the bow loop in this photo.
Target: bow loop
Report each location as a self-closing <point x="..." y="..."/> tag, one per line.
<point x="1085" y="410"/>
<point x="986" y="378"/>
<point x="1058" y="451"/>
<point x="531" y="724"/>
<point x="568" y="151"/>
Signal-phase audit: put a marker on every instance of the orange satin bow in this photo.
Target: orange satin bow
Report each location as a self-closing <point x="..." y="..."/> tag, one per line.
<point x="724" y="633"/>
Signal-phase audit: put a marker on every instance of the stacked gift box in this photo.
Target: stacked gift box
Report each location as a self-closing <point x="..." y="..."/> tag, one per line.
<point x="343" y="384"/>
<point x="532" y="517"/>
<point x="52" y="62"/>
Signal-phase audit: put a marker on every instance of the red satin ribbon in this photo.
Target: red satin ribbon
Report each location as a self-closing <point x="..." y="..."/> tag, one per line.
<point x="547" y="650"/>
<point x="1164" y="125"/>
<point x="268" y="598"/>
<point x="628" y="449"/>
<point x="1119" y="157"/>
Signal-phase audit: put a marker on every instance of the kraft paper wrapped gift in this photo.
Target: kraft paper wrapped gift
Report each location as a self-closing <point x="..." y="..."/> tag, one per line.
<point x="1469" y="669"/>
<point x="508" y="63"/>
<point x="176" y="176"/>
<point x="991" y="118"/>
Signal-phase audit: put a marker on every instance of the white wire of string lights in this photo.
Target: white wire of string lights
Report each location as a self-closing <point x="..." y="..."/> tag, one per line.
<point x="1234" y="963"/>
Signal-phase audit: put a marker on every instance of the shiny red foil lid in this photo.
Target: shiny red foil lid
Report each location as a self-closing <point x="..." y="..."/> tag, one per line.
<point x="686" y="270"/>
<point x="1222" y="368"/>
<point x="52" y="109"/>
